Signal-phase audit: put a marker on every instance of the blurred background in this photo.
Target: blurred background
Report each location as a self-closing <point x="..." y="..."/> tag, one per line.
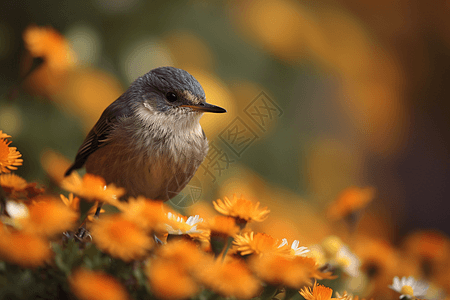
<point x="321" y="96"/>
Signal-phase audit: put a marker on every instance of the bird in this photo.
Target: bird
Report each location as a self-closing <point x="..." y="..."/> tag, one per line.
<point x="149" y="141"/>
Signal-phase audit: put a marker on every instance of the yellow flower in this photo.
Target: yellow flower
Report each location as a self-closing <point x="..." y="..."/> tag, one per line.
<point x="317" y="292"/>
<point x="96" y="285"/>
<point x="229" y="279"/>
<point x="149" y="214"/>
<point x="48" y="217"/>
<point x="120" y="237"/>
<point x="259" y="244"/>
<point x="350" y="200"/>
<point x="23" y="249"/>
<point x="9" y="156"/>
<point x="92" y="187"/>
<point x="242" y="209"/>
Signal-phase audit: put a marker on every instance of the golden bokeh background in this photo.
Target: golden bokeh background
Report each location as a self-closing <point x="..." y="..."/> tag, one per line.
<point x="360" y="86"/>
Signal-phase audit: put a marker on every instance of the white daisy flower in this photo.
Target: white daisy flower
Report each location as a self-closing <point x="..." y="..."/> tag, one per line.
<point x="16" y="211"/>
<point x="193" y="220"/>
<point x="298" y="251"/>
<point x="408" y="287"/>
<point x="178" y="226"/>
<point x="348" y="261"/>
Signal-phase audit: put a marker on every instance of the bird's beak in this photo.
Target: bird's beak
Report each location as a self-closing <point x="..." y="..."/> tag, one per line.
<point x="206" y="107"/>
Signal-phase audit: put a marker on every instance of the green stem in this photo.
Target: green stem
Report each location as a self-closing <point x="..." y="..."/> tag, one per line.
<point x="268" y="292"/>
<point x="225" y="249"/>
<point x="290" y="293"/>
<point x="214" y="296"/>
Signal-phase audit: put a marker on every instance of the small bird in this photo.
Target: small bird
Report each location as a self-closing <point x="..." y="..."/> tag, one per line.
<point x="149" y="141"/>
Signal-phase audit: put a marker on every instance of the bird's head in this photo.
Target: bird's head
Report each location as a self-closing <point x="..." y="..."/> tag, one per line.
<point x="171" y="91"/>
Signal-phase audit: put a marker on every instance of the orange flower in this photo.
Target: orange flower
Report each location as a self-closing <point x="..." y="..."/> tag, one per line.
<point x="72" y="202"/>
<point x="317" y="292"/>
<point x="4" y="135"/>
<point x="9" y="156"/>
<point x="229" y="279"/>
<point x="51" y="76"/>
<point x="176" y="261"/>
<point x="48" y="216"/>
<point x="49" y="44"/>
<point x="12" y="183"/>
<point x="281" y="270"/>
<point x="96" y="285"/>
<point x="242" y="209"/>
<point x="428" y="245"/>
<point x="55" y="165"/>
<point x="120" y="237"/>
<point x="31" y="191"/>
<point x="311" y="263"/>
<point x="350" y="200"/>
<point x="18" y="187"/>
<point x="169" y="281"/>
<point x="149" y="214"/>
<point x="430" y="251"/>
<point x="379" y="262"/>
<point x="221" y="225"/>
<point x="23" y="249"/>
<point x="259" y="244"/>
<point x="346" y="296"/>
<point x="93" y="188"/>
<point x="91" y="212"/>
<point x="378" y="254"/>
<point x="278" y="270"/>
<point x="182" y="252"/>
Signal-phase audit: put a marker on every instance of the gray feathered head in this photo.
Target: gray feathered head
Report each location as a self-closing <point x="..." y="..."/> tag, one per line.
<point x="169" y="90"/>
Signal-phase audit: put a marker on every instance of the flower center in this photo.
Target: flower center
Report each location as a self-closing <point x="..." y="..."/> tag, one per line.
<point x="332" y="244"/>
<point x="407" y="290"/>
<point x="343" y="261"/>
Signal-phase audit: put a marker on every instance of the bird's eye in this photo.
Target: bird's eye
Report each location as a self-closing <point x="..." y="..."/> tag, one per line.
<point x="171" y="97"/>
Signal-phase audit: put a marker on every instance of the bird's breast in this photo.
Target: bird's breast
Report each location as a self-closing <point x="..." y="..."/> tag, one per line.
<point x="152" y="162"/>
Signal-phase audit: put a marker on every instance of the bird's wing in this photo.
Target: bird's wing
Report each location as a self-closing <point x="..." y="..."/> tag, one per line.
<point x="99" y="134"/>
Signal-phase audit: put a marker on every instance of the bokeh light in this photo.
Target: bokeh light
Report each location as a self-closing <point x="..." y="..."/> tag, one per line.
<point x="86" y="42"/>
<point x="143" y="55"/>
